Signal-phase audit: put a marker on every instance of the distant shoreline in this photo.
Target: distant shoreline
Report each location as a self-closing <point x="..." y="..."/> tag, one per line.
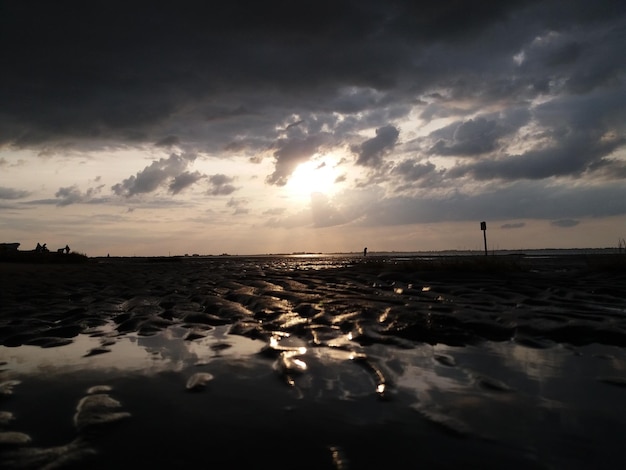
<point x="548" y="260"/>
<point x="414" y="254"/>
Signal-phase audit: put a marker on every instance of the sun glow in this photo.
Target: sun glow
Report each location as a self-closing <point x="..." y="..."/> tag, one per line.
<point x="311" y="177"/>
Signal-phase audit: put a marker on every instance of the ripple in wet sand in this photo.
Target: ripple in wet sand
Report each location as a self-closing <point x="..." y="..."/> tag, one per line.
<point x="198" y="381"/>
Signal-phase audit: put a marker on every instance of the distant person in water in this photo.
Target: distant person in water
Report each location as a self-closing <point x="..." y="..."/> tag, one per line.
<point x="364" y="251"/>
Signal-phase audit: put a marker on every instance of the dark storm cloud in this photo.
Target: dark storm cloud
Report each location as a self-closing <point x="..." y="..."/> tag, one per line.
<point x="580" y="59"/>
<point x="371" y="152"/>
<point x="168" y="141"/>
<point x="478" y="135"/>
<point x="107" y="69"/>
<point x="472" y="137"/>
<point x="572" y="156"/>
<point x="579" y="134"/>
<point x="158" y="173"/>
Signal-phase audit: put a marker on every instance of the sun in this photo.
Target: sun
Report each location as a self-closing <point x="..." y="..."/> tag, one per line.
<point x="312" y="177"/>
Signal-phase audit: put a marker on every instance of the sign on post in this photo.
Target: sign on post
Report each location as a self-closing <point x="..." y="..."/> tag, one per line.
<point x="483" y="227"/>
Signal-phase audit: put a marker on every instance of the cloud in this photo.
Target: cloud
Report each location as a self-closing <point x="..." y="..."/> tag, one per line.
<point x="512" y="225"/>
<point x="410" y="170"/>
<point x="239" y="205"/>
<point x="565" y="223"/>
<point x="64" y="83"/>
<point x="530" y="200"/>
<point x="370" y="153"/>
<point x="478" y="135"/>
<point x="221" y="185"/>
<point x="294" y="124"/>
<point x="572" y="156"/>
<point x="158" y="173"/>
<point x="11" y="193"/>
<point x="168" y="141"/>
<point x="275" y="211"/>
<point x="581" y="60"/>
<point x="73" y="195"/>
<point x="69" y="195"/>
<point x="290" y="153"/>
<point x="578" y="134"/>
<point x="184" y="180"/>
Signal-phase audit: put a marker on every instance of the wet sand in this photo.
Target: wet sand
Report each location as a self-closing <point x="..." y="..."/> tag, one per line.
<point x="312" y="362"/>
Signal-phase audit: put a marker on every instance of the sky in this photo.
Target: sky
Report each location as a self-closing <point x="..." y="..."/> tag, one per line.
<point x="147" y="128"/>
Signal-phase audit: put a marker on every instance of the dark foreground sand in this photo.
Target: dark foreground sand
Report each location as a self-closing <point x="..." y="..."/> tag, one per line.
<point x="312" y="363"/>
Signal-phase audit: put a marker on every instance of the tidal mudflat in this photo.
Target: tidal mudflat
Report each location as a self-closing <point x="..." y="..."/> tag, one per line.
<point x="312" y="362"/>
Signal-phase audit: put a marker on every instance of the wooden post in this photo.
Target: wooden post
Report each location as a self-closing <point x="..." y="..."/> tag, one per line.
<point x="483" y="227"/>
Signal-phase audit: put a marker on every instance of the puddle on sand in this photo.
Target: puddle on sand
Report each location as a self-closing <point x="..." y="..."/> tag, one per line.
<point x="165" y="351"/>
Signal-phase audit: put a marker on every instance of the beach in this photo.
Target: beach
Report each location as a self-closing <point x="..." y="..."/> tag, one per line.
<point x="313" y="362"/>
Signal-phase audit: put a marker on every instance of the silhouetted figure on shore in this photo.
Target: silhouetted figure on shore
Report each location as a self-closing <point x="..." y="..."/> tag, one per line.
<point x="66" y="250"/>
<point x="44" y="248"/>
<point x="364" y="251"/>
<point x="39" y="248"/>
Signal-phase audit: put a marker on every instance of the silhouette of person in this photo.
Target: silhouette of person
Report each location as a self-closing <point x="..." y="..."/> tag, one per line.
<point x="39" y="248"/>
<point x="44" y="248"/>
<point x="365" y="251"/>
<point x="67" y="249"/>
